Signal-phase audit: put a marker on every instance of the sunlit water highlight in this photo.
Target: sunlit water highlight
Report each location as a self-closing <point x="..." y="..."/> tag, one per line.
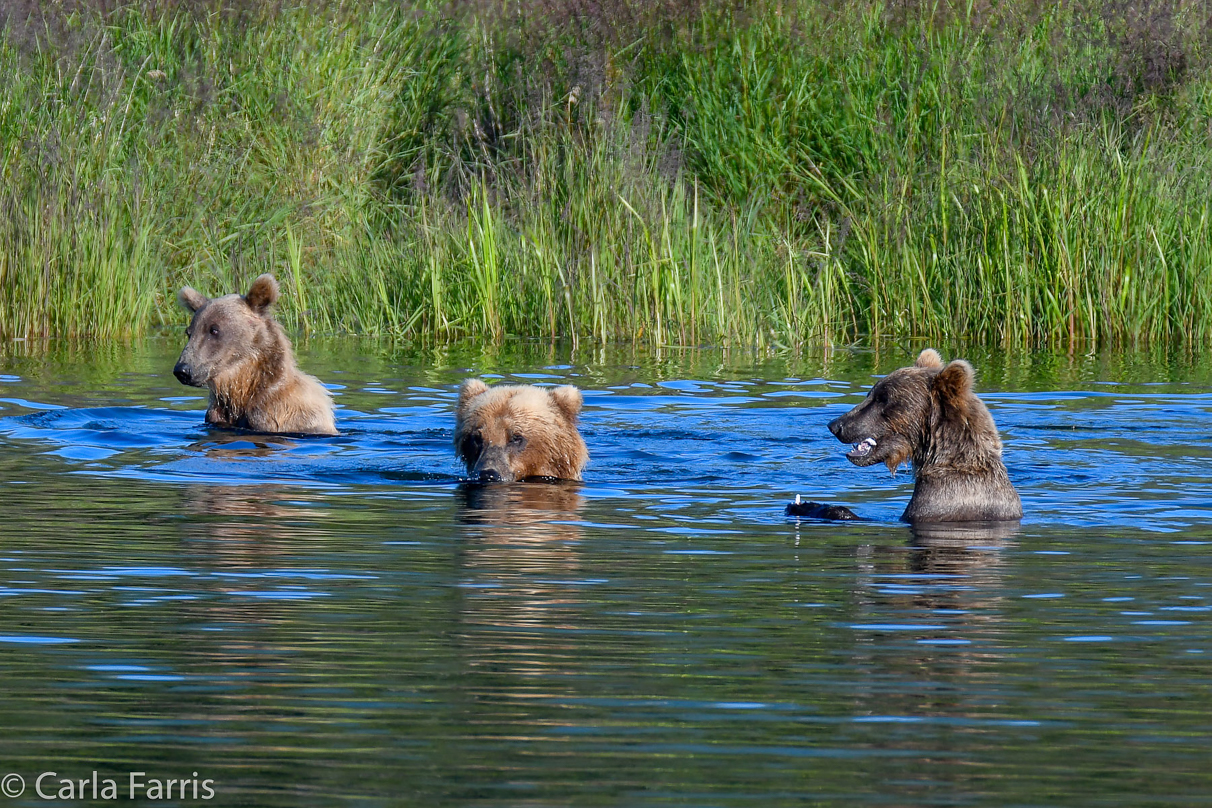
<point x="314" y="621"/>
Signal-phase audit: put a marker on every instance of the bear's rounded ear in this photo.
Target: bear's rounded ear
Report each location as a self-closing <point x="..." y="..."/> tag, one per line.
<point x="262" y="294"/>
<point x="929" y="358"/>
<point x="568" y="400"/>
<point x="953" y="386"/>
<point x="469" y="390"/>
<point x="190" y="298"/>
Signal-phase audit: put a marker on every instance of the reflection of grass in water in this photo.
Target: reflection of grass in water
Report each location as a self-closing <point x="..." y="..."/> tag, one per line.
<point x="799" y="175"/>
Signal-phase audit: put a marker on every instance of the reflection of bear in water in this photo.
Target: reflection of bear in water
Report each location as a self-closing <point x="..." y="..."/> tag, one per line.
<point x="238" y="351"/>
<point x="234" y="524"/>
<point x="241" y="446"/>
<point x="929" y="414"/>
<point x="237" y="542"/>
<point x="521" y="609"/>
<point x="963" y="550"/>
<point x="947" y="568"/>
<point x="519" y="505"/>
<point x="514" y="432"/>
<point x="952" y="579"/>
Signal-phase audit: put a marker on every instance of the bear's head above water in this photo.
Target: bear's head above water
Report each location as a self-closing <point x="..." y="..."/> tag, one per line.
<point x="238" y="351"/>
<point x="229" y="333"/>
<point x="891" y="422"/>
<point x="929" y="414"/>
<point x="515" y="432"/>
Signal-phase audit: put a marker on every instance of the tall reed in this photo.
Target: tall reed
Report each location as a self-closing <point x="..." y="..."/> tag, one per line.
<point x="680" y="173"/>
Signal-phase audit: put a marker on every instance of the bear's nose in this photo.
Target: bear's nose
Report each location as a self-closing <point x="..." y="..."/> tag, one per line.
<point x="181" y="371"/>
<point x="835" y="426"/>
<point x="490" y="476"/>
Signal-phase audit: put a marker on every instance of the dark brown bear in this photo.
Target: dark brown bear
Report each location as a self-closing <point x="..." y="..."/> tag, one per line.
<point x="929" y="415"/>
<point x="238" y="351"/>
<point x="514" y="432"/>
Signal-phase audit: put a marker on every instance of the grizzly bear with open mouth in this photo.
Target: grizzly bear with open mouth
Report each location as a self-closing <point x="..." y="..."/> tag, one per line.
<point x="928" y="414"/>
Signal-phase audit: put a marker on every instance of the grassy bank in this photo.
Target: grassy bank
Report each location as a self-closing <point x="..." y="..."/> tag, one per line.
<point x="686" y="172"/>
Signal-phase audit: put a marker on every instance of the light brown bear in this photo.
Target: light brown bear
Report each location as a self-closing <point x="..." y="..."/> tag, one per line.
<point x="238" y="351"/>
<point x="515" y="432"/>
<point x="929" y="414"/>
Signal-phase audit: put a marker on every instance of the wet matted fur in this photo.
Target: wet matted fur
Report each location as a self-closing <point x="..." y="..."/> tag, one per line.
<point x="820" y="510"/>
<point x="239" y="352"/>
<point x="928" y="414"/>
<point x="514" y="432"/>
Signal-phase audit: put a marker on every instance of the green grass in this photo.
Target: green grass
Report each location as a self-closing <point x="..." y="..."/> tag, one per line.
<point x="809" y="174"/>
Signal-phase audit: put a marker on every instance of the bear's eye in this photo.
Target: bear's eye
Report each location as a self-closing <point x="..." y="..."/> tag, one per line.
<point x="214" y="330"/>
<point x="473" y="444"/>
<point x="517" y="441"/>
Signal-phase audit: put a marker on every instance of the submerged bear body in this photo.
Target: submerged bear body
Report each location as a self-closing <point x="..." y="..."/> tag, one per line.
<point x="515" y="432"/>
<point x="928" y="414"/>
<point x="239" y="352"/>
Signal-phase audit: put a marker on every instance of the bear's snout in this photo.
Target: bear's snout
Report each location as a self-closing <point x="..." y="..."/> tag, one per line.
<point x="845" y="428"/>
<point x="493" y="474"/>
<point x="183" y="373"/>
<point x="493" y="467"/>
<point x="835" y="426"/>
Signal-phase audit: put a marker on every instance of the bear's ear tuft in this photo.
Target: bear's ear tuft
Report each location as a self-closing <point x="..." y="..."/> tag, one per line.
<point x="262" y="294"/>
<point x="192" y="299"/>
<point x="929" y="358"/>
<point x="953" y="387"/>
<point x="469" y="390"/>
<point x="568" y="400"/>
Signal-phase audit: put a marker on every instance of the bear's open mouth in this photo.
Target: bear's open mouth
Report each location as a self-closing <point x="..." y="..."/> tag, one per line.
<point x="861" y="449"/>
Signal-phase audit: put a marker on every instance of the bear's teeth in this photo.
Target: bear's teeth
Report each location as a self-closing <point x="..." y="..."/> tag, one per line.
<point x="865" y="446"/>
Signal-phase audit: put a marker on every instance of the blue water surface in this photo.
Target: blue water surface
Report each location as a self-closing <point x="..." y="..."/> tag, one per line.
<point x="313" y="621"/>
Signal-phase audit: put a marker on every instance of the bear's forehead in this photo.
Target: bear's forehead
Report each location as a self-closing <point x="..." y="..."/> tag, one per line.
<point x="905" y="379"/>
<point x="226" y="309"/>
<point x="503" y="408"/>
<point x="910" y="375"/>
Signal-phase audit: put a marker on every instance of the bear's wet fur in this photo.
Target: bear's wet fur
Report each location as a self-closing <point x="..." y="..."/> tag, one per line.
<point x="239" y="352"/>
<point x="929" y="414"/>
<point x="820" y="510"/>
<point x="516" y="432"/>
